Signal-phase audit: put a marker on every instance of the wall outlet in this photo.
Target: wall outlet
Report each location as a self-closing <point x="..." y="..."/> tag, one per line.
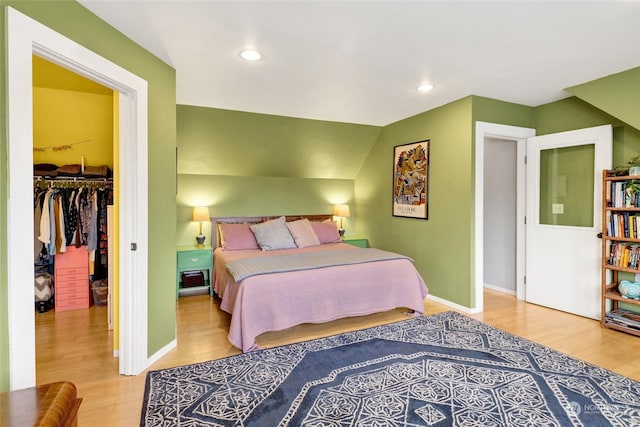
<point x="557" y="208"/>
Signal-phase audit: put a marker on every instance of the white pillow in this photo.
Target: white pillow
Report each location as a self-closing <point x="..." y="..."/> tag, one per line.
<point x="273" y="234"/>
<point x="303" y="233"/>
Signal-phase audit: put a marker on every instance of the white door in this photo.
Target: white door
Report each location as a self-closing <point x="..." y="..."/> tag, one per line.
<point x="564" y="192"/>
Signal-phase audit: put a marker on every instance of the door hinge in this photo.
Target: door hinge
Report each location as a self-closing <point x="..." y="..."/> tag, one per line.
<point x="525" y="160"/>
<point x="525" y="280"/>
<point x="525" y="220"/>
<point x="134" y="246"/>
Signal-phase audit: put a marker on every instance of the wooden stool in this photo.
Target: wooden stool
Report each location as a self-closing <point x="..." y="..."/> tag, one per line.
<point x="49" y="405"/>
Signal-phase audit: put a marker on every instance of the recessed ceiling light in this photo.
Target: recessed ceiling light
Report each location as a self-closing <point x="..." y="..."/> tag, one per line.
<point x="250" y="55"/>
<point x="425" y="88"/>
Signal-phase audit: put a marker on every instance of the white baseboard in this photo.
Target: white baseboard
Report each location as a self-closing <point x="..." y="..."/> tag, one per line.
<point x="454" y="305"/>
<point x="499" y="289"/>
<point x="162" y="352"/>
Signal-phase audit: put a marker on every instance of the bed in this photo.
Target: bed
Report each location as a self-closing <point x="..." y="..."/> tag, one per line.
<point x="264" y="298"/>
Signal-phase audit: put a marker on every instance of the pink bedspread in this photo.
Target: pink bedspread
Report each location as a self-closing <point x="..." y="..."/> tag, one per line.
<point x="272" y="302"/>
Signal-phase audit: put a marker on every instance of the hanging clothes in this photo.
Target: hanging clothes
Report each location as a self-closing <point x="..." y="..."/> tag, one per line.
<point x="72" y="216"/>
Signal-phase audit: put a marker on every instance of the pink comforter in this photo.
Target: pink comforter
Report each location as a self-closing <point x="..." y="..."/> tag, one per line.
<point x="272" y="302"/>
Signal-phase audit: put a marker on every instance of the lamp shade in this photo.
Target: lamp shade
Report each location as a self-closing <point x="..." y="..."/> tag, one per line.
<point x="341" y="210"/>
<point x="200" y="213"/>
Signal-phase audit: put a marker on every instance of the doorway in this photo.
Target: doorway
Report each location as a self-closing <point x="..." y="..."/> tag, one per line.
<point x="600" y="138"/>
<point x="74" y="131"/>
<point x="500" y="214"/>
<point x="27" y="37"/>
<point x="485" y="134"/>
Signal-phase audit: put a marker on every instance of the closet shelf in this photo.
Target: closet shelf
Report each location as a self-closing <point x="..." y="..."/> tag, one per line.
<point x="73" y="181"/>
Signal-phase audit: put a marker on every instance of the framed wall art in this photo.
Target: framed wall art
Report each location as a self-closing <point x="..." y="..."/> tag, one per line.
<point x="411" y="180"/>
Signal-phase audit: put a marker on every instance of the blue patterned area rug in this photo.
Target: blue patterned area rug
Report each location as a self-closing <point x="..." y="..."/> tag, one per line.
<point x="440" y="370"/>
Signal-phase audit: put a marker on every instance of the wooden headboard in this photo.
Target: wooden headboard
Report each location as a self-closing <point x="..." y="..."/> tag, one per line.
<point x="215" y="232"/>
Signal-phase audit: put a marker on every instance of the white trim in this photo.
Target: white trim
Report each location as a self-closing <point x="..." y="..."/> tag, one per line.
<point x="22" y="352"/>
<point x="519" y="134"/>
<point x="25" y="37"/>
<point x="499" y="289"/>
<point x="453" y="305"/>
<point x="162" y="352"/>
<point x="521" y="213"/>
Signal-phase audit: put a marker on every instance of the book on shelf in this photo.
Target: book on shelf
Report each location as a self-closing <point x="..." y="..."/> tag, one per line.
<point x="624" y="317"/>
<point x="624" y="255"/>
<point x="623" y="224"/>
<point x="611" y="320"/>
<point x="617" y="194"/>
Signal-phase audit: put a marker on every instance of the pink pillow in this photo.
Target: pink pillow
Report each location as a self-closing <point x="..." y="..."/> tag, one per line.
<point x="327" y="232"/>
<point x="235" y="237"/>
<point x="303" y="233"/>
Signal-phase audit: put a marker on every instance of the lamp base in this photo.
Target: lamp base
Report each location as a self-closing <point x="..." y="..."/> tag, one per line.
<point x="200" y="239"/>
<point x="341" y="233"/>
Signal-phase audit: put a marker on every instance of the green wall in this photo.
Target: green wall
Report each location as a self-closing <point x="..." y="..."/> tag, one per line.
<point x="255" y="187"/>
<point x="573" y="113"/>
<point x="72" y="20"/>
<point x="241" y="164"/>
<point x="442" y="246"/>
<point x="256" y="196"/>
<point x="506" y="113"/>
<point x="222" y="142"/>
<point x="617" y="94"/>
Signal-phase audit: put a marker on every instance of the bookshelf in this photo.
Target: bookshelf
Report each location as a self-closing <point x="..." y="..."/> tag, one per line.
<point x="620" y="249"/>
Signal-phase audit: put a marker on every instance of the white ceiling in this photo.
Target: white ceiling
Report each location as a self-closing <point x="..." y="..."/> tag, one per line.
<point x="360" y="61"/>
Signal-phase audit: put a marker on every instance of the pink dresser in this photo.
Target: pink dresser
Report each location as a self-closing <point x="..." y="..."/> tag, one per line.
<point x="72" y="279"/>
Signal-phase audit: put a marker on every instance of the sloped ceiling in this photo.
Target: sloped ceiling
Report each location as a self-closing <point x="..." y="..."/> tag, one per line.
<point x="49" y="75"/>
<point x="617" y="94"/>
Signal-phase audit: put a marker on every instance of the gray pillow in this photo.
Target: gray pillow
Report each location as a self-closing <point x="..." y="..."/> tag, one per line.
<point x="273" y="234"/>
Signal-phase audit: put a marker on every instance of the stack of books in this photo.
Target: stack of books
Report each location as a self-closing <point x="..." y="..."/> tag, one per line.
<point x="626" y="318"/>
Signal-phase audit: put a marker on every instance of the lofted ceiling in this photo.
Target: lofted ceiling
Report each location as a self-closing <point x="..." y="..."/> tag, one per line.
<point x="361" y="61"/>
<point x="49" y="75"/>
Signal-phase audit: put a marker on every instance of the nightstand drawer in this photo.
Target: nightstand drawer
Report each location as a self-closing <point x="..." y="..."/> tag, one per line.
<point x="363" y="243"/>
<point x="194" y="259"/>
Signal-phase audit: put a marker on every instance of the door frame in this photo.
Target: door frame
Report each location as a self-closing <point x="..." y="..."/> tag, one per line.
<point x="26" y="37"/>
<point x="519" y="135"/>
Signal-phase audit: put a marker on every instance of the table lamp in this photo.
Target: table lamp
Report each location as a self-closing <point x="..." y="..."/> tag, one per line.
<point x="200" y="214"/>
<point x="341" y="212"/>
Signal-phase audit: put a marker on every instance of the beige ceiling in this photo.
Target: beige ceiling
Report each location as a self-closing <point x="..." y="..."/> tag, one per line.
<point x="360" y="61"/>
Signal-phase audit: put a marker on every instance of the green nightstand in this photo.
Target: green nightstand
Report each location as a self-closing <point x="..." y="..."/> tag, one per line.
<point x="355" y="241"/>
<point x="194" y="258"/>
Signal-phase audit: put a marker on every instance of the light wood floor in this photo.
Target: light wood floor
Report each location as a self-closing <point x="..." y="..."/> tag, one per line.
<point x="75" y="346"/>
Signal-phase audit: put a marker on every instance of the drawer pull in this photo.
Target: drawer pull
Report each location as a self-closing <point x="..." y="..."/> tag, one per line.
<point x="194" y="259"/>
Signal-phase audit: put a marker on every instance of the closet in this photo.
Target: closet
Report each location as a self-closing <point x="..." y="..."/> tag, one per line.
<point x="75" y="169"/>
<point x="71" y="249"/>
